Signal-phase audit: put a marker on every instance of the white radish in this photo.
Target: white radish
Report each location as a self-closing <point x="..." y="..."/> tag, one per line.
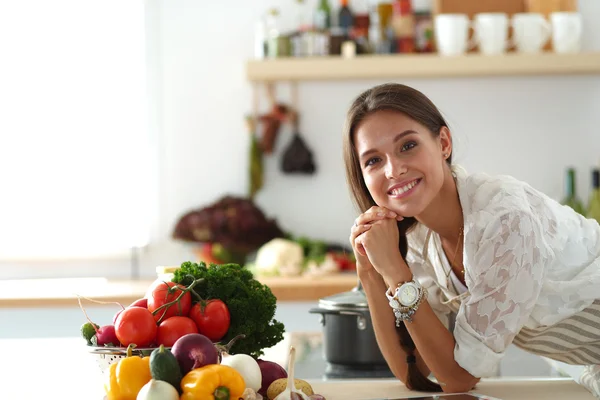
<point x="157" y="390"/>
<point x="291" y="393"/>
<point x="247" y="367"/>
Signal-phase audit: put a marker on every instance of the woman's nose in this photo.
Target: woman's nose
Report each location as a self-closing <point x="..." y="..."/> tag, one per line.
<point x="394" y="168"/>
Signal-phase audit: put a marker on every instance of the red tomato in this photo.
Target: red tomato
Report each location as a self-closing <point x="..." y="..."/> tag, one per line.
<point x="135" y="325"/>
<point x="212" y="318"/>
<point x="143" y="302"/>
<point x="173" y="328"/>
<point x="166" y="292"/>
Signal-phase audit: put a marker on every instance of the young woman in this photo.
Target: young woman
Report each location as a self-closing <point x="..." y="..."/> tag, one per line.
<point x="509" y="264"/>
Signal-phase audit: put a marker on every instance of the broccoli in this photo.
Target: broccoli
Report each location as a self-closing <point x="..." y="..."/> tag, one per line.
<point x="251" y="304"/>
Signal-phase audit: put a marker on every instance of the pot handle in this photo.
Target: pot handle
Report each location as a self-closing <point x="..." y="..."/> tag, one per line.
<point x="361" y="320"/>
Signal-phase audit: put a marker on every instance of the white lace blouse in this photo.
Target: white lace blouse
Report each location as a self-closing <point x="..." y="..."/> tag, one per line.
<point x="529" y="262"/>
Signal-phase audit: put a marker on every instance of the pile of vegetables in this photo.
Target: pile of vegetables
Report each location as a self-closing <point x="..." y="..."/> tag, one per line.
<point x="220" y="302"/>
<point x="198" y="369"/>
<point x="178" y="330"/>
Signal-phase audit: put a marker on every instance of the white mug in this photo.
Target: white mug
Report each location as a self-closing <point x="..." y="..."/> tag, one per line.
<point x="567" y="28"/>
<point x="452" y="34"/>
<point x="491" y="32"/>
<point x="531" y="32"/>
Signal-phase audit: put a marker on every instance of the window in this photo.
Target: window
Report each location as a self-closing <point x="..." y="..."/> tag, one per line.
<point x="76" y="166"/>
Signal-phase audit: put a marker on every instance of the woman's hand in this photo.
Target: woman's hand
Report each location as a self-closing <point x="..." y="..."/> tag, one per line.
<point x="379" y="243"/>
<point x="363" y="224"/>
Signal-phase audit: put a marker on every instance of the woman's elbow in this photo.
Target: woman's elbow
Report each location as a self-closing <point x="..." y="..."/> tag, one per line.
<point x="460" y="386"/>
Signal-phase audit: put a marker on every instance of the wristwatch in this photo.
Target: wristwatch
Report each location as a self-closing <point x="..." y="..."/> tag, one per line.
<point x="405" y="300"/>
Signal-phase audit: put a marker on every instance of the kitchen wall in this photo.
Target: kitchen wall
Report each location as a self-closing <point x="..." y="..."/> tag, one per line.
<point x="529" y="127"/>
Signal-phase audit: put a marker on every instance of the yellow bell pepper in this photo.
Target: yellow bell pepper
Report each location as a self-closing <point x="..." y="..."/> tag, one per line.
<point x="127" y="377"/>
<point x="213" y="382"/>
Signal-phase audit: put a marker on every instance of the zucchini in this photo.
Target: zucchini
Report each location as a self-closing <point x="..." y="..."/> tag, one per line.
<point x="164" y="367"/>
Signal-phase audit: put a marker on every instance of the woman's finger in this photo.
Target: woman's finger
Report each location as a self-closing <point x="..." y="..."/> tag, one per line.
<point x="358" y="230"/>
<point x="359" y="246"/>
<point x="374" y="214"/>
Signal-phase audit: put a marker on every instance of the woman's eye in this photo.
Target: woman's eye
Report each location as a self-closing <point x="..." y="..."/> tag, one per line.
<point x="371" y="161"/>
<point x="408" y="146"/>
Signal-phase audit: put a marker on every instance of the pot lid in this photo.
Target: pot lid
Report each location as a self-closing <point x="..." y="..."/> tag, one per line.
<point x="354" y="298"/>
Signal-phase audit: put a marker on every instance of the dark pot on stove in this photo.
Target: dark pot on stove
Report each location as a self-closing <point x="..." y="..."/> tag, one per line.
<point x="348" y="335"/>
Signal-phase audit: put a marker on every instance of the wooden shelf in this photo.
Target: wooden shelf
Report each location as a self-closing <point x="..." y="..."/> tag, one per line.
<point x="420" y="66"/>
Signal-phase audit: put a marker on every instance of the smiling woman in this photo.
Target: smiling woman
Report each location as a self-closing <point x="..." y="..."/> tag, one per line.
<point x="75" y="150"/>
<point x="509" y="264"/>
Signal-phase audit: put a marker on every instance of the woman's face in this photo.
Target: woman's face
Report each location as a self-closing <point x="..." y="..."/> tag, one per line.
<point x="401" y="161"/>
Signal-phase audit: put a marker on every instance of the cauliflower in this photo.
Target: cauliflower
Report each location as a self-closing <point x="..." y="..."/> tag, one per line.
<point x="279" y="257"/>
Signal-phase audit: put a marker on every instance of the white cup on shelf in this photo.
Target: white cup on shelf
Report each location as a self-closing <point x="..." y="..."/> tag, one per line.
<point x="531" y="32"/>
<point x="452" y="34"/>
<point x="491" y="32"/>
<point x="567" y="29"/>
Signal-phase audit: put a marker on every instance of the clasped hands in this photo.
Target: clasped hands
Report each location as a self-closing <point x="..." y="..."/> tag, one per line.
<point x="374" y="238"/>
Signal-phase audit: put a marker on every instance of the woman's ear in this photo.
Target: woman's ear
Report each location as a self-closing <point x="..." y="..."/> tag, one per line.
<point x="445" y="141"/>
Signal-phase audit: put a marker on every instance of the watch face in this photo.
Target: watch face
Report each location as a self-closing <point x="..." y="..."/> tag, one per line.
<point x="408" y="294"/>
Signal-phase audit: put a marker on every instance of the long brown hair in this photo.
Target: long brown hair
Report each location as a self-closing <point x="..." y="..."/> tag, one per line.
<point x="414" y="104"/>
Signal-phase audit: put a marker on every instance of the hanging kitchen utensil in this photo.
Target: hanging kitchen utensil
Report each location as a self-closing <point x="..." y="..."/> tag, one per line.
<point x="272" y="121"/>
<point x="255" y="159"/>
<point x="297" y="157"/>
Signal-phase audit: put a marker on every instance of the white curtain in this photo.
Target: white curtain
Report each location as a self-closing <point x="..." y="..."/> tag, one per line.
<point x="75" y="166"/>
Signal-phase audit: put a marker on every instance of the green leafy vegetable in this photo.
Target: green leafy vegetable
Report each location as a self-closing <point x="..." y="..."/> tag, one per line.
<point x="251" y="304"/>
<point x="314" y="250"/>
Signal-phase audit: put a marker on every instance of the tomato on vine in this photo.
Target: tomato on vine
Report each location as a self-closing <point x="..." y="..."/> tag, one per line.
<point x="162" y="293"/>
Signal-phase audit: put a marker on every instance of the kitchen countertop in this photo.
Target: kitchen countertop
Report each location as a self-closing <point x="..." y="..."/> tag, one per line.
<point x="504" y="389"/>
<point x="66" y="370"/>
<point x="63" y="292"/>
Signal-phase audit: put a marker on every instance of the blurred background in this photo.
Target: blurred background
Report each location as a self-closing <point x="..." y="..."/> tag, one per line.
<point x="122" y="118"/>
<point x="124" y="121"/>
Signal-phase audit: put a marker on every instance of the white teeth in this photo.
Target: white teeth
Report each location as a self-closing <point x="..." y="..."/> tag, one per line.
<point x="403" y="189"/>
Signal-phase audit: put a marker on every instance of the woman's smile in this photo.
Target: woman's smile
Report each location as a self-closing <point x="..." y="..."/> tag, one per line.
<point x="404" y="189"/>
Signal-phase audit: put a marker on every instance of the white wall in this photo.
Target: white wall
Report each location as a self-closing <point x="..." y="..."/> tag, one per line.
<point x="528" y="127"/>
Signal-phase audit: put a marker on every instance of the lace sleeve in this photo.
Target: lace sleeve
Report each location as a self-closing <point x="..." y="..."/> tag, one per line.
<point x="507" y="271"/>
<point x="423" y="272"/>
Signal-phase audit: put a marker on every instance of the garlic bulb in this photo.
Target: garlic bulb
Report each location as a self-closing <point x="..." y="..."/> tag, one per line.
<point x="291" y="393"/>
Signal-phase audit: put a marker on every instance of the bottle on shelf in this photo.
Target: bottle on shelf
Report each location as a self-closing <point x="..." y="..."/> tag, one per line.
<point x="403" y="23"/>
<point x="273" y="33"/>
<point x="323" y="16"/>
<point x="345" y="17"/>
<point x="571" y="198"/>
<point x="359" y="32"/>
<point x="594" y="204"/>
<point x="260" y="39"/>
<point x="377" y="42"/>
<point x="301" y="37"/>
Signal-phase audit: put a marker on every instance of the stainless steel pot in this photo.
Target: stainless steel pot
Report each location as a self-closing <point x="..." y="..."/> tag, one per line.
<point x="348" y="336"/>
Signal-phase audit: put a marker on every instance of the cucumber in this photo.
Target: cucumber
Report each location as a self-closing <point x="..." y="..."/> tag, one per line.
<point x="164" y="367"/>
<point x="88" y="332"/>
